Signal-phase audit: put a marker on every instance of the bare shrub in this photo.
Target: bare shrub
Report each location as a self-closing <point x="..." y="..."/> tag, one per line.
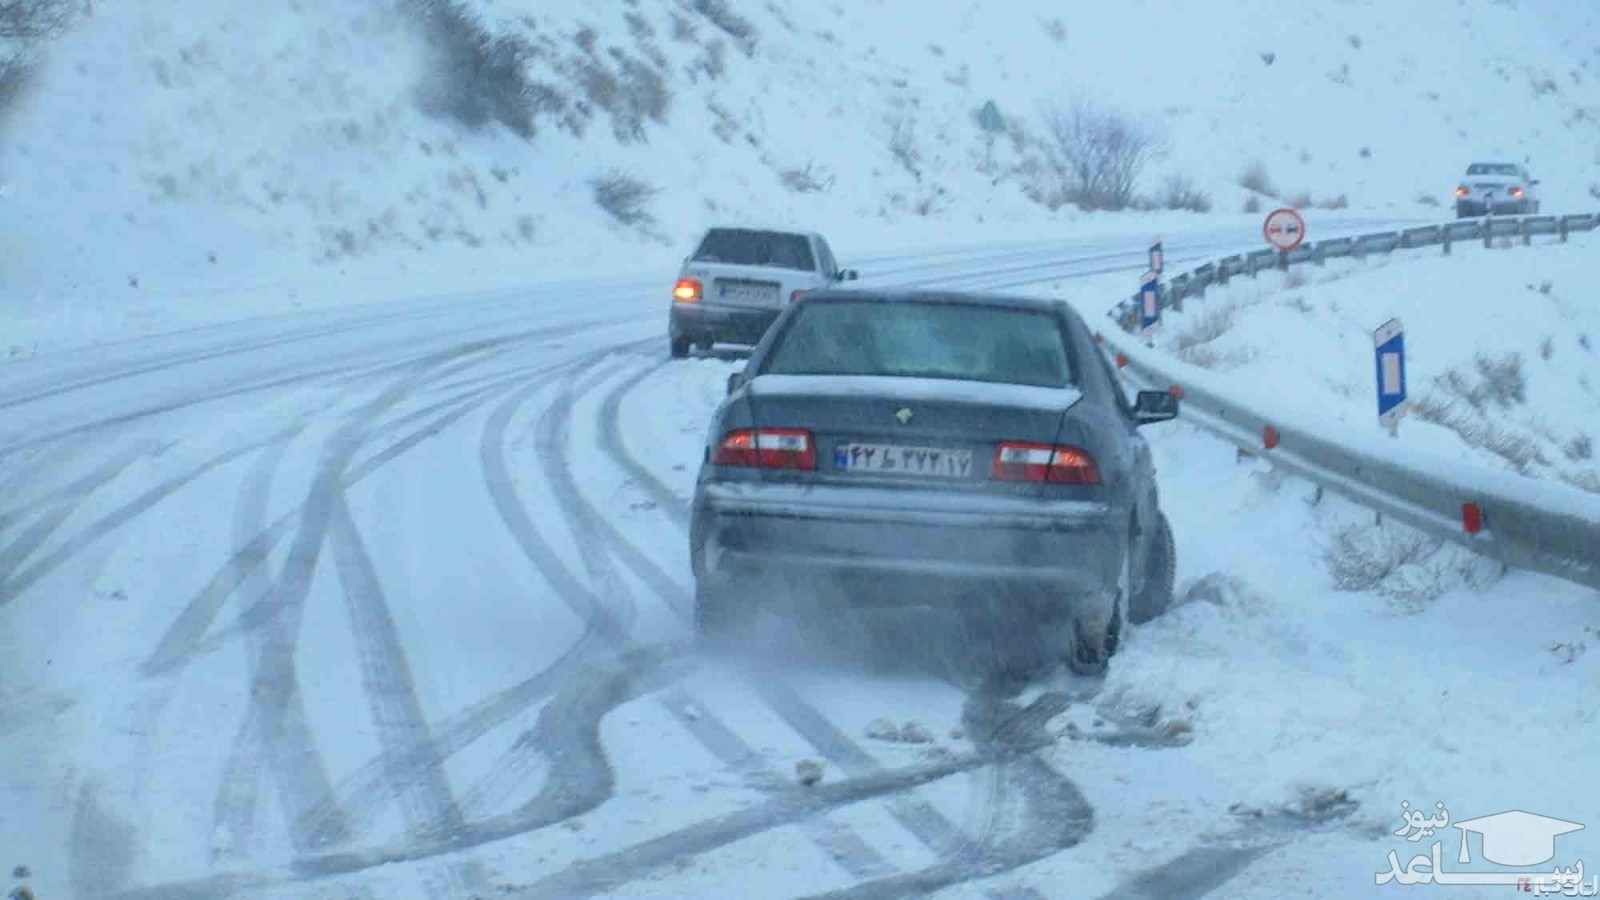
<point x="805" y="180"/>
<point x="475" y="77"/>
<point x="903" y="142"/>
<point x="683" y="29"/>
<point x="731" y="23"/>
<point x="638" y="26"/>
<point x="1579" y="449"/>
<point x="625" y="198"/>
<point x="1056" y="29"/>
<point x="1301" y="200"/>
<point x="1098" y="153"/>
<point x="1339" y="202"/>
<point x="715" y="61"/>
<point x="1427" y="199"/>
<point x="636" y="92"/>
<point x="1547" y="349"/>
<point x="1208" y="326"/>
<point x="1482" y="433"/>
<point x="1252" y="204"/>
<point x="1361" y="558"/>
<point x="1179" y="192"/>
<point x="1294" y="279"/>
<point x="1503" y="380"/>
<point x="1585" y="480"/>
<point x="1254" y="177"/>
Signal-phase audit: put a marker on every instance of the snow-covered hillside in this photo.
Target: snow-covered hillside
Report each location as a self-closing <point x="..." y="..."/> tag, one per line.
<point x="180" y="162"/>
<point x="1502" y="349"/>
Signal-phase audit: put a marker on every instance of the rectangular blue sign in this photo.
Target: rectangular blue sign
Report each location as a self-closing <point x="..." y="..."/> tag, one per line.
<point x="1389" y="353"/>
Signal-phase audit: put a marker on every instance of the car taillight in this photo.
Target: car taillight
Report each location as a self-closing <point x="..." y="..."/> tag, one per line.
<point x="767" y="448"/>
<point x="796" y="295"/>
<point x="1060" y="464"/>
<point x="1462" y="191"/>
<point x="1516" y="192"/>
<point x="687" y="290"/>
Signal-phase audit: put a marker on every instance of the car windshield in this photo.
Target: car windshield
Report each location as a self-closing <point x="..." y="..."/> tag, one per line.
<point x="756" y="248"/>
<point x="1492" y="169"/>
<point x="928" y="340"/>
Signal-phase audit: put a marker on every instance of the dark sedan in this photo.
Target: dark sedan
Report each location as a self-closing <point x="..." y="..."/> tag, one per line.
<point x="965" y="453"/>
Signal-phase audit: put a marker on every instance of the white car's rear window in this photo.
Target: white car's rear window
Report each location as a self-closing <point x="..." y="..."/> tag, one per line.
<point x="756" y="248"/>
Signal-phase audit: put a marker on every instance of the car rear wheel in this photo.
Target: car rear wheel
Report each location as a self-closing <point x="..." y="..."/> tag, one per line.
<point x="680" y="347"/>
<point x="1155" y="595"/>
<point x="1093" y="644"/>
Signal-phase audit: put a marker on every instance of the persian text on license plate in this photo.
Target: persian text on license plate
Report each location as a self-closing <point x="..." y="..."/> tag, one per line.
<point x="749" y="293"/>
<point x="929" y="461"/>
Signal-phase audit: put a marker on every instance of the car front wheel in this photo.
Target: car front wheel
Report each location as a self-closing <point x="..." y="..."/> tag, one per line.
<point x="680" y="347"/>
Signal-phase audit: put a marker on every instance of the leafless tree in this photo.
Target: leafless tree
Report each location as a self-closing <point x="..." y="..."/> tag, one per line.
<point x="1098" y="152"/>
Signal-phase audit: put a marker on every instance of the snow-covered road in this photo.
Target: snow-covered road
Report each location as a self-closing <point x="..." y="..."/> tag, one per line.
<point x="394" y="601"/>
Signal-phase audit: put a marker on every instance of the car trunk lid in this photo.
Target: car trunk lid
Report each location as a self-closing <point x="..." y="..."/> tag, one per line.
<point x="759" y="287"/>
<point x="935" y="434"/>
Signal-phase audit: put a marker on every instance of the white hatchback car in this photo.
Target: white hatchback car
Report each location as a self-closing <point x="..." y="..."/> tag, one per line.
<point x="1503" y="188"/>
<point x="737" y="281"/>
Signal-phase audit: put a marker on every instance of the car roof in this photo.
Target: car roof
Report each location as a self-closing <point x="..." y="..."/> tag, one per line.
<point x="964" y="298"/>
<point x="775" y="229"/>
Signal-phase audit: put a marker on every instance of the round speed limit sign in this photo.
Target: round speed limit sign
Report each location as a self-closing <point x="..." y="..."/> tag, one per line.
<point x="1284" y="229"/>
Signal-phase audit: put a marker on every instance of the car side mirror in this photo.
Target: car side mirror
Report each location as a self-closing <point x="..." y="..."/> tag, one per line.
<point x="848" y="274"/>
<point x="734" y="380"/>
<point x="1155" y="406"/>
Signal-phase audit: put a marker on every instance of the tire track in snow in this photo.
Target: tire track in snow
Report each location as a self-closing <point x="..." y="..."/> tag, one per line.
<point x="59" y="506"/>
<point x="415" y="769"/>
<point x="275" y="722"/>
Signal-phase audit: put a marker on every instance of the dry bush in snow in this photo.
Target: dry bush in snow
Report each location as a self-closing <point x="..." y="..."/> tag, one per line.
<point x="625" y="198"/>
<point x="1180" y="192"/>
<point x="718" y="13"/>
<point x="1253" y="204"/>
<point x="1098" y="153"/>
<point x="807" y="180"/>
<point x="476" y="77"/>
<point x="1401" y="564"/>
<point x="1255" y="178"/>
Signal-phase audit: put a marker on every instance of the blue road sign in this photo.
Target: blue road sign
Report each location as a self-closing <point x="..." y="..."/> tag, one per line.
<point x="1389" y="343"/>
<point x="1149" y="301"/>
<point x="1156" y="257"/>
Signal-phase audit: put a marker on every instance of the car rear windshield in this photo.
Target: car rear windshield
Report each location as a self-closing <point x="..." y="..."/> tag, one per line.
<point x="926" y="340"/>
<point x="1491" y="169"/>
<point x="756" y="248"/>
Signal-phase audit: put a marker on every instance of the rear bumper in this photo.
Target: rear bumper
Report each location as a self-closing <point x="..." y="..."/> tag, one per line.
<point x="1468" y="208"/>
<point x="879" y="547"/>
<point x="708" y="323"/>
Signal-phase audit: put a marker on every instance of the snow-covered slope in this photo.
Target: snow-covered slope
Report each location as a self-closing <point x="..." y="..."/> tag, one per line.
<point x="1502" y="349"/>
<point x="180" y="162"/>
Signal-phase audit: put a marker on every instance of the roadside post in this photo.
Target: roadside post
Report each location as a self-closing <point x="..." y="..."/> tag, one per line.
<point x="1389" y="351"/>
<point x="1149" y="303"/>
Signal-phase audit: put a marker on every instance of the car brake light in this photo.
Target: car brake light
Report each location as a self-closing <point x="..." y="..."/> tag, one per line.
<point x="1516" y="192"/>
<point x="1462" y="191"/>
<point x="767" y="448"/>
<point x="1060" y="464"/>
<point x="687" y="290"/>
<point x="796" y="295"/>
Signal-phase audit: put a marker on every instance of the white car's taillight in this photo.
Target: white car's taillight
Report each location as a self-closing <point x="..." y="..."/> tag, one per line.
<point x="1059" y="464"/>
<point x="767" y="448"/>
<point x="687" y="290"/>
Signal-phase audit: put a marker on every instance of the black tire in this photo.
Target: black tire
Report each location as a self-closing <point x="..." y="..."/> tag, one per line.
<point x="680" y="347"/>
<point x="1089" y="653"/>
<point x="1155" y="596"/>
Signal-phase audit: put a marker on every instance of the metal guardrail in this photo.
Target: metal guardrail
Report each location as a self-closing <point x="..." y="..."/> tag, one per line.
<point x="1524" y="523"/>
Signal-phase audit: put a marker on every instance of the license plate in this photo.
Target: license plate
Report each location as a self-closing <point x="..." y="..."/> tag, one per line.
<point x="930" y="462"/>
<point x="750" y="294"/>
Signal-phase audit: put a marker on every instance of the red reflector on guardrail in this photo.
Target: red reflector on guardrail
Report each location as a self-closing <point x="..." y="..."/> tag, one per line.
<point x="1471" y="517"/>
<point x="1269" y="436"/>
<point x="1122" y="360"/>
<point x="1176" y="391"/>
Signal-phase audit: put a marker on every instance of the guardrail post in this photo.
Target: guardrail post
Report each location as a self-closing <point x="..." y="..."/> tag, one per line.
<point x="1401" y="241"/>
<point x="1222" y="274"/>
<point x="1561" y="228"/>
<point x="1527" y="232"/>
<point x="1317" y="255"/>
<point x="1283" y="260"/>
<point x="1444" y="233"/>
<point x="1488" y="232"/>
